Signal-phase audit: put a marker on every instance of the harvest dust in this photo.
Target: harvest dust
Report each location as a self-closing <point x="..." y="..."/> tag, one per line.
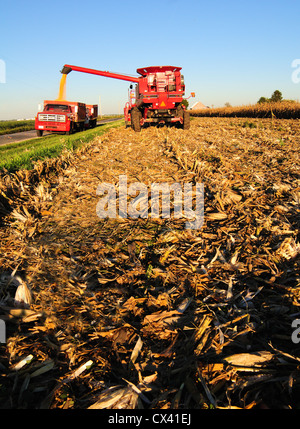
<point x="143" y="313"/>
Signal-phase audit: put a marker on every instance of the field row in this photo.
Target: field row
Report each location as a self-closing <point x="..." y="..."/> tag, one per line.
<point x="11" y="127"/>
<point x="279" y="110"/>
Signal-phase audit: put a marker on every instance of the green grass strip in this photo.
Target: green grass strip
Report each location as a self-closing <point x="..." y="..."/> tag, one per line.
<point x="10" y="127"/>
<point x="22" y="155"/>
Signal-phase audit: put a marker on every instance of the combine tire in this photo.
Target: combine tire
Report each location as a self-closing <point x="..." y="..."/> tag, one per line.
<point x="179" y="111"/>
<point x="39" y="133"/>
<point x="136" y="117"/>
<point x="186" y="120"/>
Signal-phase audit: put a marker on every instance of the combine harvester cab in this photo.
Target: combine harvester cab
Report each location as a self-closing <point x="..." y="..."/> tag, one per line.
<point x="64" y="117"/>
<point x="157" y="98"/>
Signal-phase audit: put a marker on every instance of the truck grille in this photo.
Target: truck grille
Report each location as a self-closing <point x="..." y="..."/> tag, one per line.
<point x="44" y="117"/>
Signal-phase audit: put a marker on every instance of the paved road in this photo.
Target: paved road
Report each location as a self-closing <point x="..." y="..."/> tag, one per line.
<point x="18" y="137"/>
<point x="27" y="135"/>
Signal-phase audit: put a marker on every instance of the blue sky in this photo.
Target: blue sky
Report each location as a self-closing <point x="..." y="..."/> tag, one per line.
<point x="230" y="51"/>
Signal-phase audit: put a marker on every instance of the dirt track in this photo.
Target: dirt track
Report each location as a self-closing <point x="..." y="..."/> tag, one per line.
<point x="193" y="319"/>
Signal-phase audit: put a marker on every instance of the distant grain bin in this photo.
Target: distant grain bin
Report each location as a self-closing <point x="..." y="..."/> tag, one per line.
<point x="199" y="106"/>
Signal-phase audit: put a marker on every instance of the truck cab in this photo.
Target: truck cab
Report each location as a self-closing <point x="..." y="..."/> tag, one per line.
<point x="60" y="117"/>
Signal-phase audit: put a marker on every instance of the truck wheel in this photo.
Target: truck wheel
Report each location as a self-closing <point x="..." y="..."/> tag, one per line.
<point x="136" y="116"/>
<point x="39" y="133"/>
<point x="186" y="120"/>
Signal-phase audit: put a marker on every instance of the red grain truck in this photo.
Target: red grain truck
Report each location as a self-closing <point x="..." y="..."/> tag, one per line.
<point x="65" y="116"/>
<point x="92" y="114"/>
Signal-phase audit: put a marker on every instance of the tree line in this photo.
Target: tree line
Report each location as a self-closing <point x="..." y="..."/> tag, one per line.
<point x="275" y="97"/>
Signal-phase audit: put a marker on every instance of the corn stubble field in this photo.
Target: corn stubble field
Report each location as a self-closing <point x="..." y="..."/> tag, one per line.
<point x="141" y="313"/>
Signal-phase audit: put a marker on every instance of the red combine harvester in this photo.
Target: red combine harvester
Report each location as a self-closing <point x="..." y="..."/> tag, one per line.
<point x="157" y="98"/>
<point x="65" y="116"/>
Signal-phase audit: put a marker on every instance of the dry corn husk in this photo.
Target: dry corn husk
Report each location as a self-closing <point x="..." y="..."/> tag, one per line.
<point x="23" y="296"/>
<point x="249" y="359"/>
<point x="23" y="362"/>
<point x="289" y="248"/>
<point x="146" y="296"/>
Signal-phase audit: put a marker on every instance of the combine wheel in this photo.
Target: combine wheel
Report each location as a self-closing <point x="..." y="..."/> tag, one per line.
<point x="186" y="120"/>
<point x="136" y="117"/>
<point x="39" y="133"/>
<point x="179" y="111"/>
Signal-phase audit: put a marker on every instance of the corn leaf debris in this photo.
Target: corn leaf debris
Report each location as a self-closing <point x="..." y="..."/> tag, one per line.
<point x="143" y="313"/>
